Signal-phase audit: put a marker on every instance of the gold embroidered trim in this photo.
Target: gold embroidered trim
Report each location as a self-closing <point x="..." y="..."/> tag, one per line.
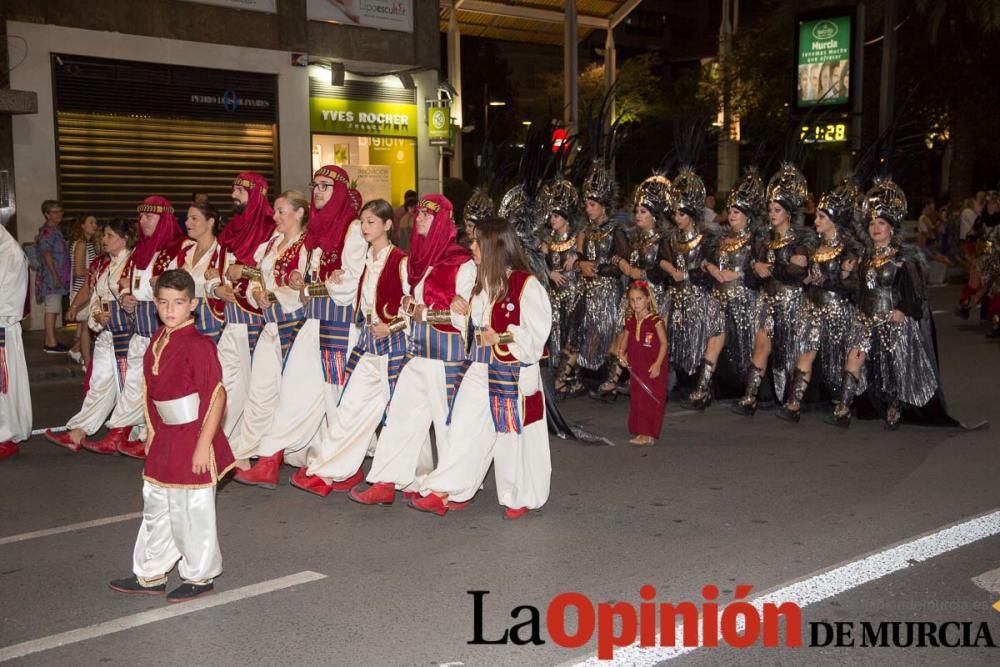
<point x="775" y="244"/>
<point x="686" y="246"/>
<point x="821" y="255"/>
<point x="561" y="246"/>
<point x="733" y="243"/>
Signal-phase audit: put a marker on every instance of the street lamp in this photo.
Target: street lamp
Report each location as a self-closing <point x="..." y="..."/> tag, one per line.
<point x="486" y="110"/>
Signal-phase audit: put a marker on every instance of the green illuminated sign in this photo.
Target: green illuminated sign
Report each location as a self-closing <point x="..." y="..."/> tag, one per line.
<point x="439" y="122"/>
<point x="375" y="119"/>
<point x="824" y="61"/>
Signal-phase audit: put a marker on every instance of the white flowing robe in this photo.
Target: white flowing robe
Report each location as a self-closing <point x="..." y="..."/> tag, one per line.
<point x="15" y="405"/>
<point x="521" y="461"/>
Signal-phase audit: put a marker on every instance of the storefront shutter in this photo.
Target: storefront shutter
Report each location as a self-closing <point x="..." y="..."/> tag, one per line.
<point x="108" y="164"/>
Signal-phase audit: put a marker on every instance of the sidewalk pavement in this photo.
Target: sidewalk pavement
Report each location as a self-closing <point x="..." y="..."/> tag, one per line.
<point x="45" y="368"/>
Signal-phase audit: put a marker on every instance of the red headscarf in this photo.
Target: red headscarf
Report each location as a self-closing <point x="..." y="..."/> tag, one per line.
<point x="438" y="248"/>
<point x="328" y="225"/>
<point x="247" y="230"/>
<point x="167" y="234"/>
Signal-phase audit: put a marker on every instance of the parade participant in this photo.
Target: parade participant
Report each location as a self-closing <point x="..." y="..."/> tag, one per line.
<point x="729" y="263"/>
<point x="251" y="224"/>
<point x="158" y="242"/>
<point x="643" y="350"/>
<point x="15" y="396"/>
<point x="279" y="261"/>
<point x="891" y="344"/>
<point x="479" y="207"/>
<point x="187" y="453"/>
<point x="780" y="263"/>
<point x="315" y="371"/>
<point x="108" y="317"/>
<point x="599" y="283"/>
<point x="990" y="262"/>
<point x="375" y="364"/>
<point x="560" y="203"/>
<point x="691" y="311"/>
<point x="650" y="208"/>
<point x="827" y="314"/>
<point x="499" y="415"/>
<point x="442" y="275"/>
<point x="196" y="257"/>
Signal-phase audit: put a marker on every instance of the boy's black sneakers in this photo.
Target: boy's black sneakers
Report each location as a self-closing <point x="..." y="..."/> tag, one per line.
<point x="187" y="591"/>
<point x="133" y="586"/>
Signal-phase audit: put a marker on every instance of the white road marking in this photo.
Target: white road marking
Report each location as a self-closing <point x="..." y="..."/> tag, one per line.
<point x="154" y="615"/>
<point x="989" y="581"/>
<point x="827" y="583"/>
<point x="70" y="528"/>
<point x="54" y="429"/>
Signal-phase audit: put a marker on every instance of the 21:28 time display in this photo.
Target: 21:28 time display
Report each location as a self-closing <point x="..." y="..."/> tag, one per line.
<point x="828" y="133"/>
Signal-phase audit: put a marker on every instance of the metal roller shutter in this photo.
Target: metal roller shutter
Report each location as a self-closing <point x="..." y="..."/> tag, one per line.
<point x="108" y="164"/>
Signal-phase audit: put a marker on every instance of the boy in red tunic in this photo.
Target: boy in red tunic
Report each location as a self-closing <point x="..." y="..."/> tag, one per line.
<point x="186" y="455"/>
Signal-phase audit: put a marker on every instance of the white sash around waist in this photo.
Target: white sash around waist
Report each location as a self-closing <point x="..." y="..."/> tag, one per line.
<point x="183" y="410"/>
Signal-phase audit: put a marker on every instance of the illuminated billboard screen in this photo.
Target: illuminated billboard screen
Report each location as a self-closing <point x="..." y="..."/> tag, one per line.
<point x="824" y="62"/>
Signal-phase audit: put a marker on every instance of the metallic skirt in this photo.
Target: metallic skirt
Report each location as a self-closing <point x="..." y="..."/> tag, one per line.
<point x="563" y="300"/>
<point x="594" y="319"/>
<point x="690" y="310"/>
<point x="776" y="316"/>
<point x="898" y="365"/>
<point x="734" y="315"/>
<point x="824" y="329"/>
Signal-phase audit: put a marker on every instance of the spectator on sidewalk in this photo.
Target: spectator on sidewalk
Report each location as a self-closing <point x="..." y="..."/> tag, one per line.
<point x="84" y="250"/>
<point x="53" y="280"/>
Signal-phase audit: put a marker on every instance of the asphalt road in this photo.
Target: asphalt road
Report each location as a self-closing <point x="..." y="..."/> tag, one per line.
<point x="722" y="500"/>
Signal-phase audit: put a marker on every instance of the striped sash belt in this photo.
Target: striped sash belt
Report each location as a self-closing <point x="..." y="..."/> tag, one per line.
<point x="288" y="326"/>
<point x="254" y="322"/>
<point x="120" y="326"/>
<point x="205" y="321"/>
<point x="447" y="347"/>
<point x="334" y="332"/>
<point x="146" y="319"/>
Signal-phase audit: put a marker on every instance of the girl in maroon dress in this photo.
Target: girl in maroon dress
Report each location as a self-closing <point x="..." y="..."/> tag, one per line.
<point x="644" y="349"/>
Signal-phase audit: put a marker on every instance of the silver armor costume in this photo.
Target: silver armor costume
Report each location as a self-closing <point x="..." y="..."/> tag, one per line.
<point x="690" y="309"/>
<point x="900" y="364"/>
<point x="780" y="300"/>
<point x="737" y="303"/>
<point x="596" y="315"/>
<point x="560" y="248"/>
<point x="644" y="254"/>
<point x="827" y="313"/>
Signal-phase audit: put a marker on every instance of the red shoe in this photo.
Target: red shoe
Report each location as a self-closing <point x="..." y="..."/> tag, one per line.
<point x="512" y="513"/>
<point x="380" y="493"/>
<point x="430" y="503"/>
<point x="311" y="483"/>
<point x="113" y="438"/>
<point x="410" y="496"/>
<point x="63" y="440"/>
<point x="456" y="506"/>
<point x="7" y="449"/>
<point x="349" y="483"/>
<point x="99" y="447"/>
<point x="265" y="474"/>
<point x="132" y="448"/>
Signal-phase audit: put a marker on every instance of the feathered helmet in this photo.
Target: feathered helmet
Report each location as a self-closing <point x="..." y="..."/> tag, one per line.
<point x="885" y="200"/>
<point x="688" y="193"/>
<point x="560" y="197"/>
<point x="748" y="194"/>
<point x="513" y="202"/>
<point x="788" y="187"/>
<point x="654" y="195"/>
<point x="840" y="202"/>
<point x="478" y="207"/>
<point x="600" y="184"/>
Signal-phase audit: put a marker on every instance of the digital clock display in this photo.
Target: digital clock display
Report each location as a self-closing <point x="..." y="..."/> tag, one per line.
<point x="824" y="134"/>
